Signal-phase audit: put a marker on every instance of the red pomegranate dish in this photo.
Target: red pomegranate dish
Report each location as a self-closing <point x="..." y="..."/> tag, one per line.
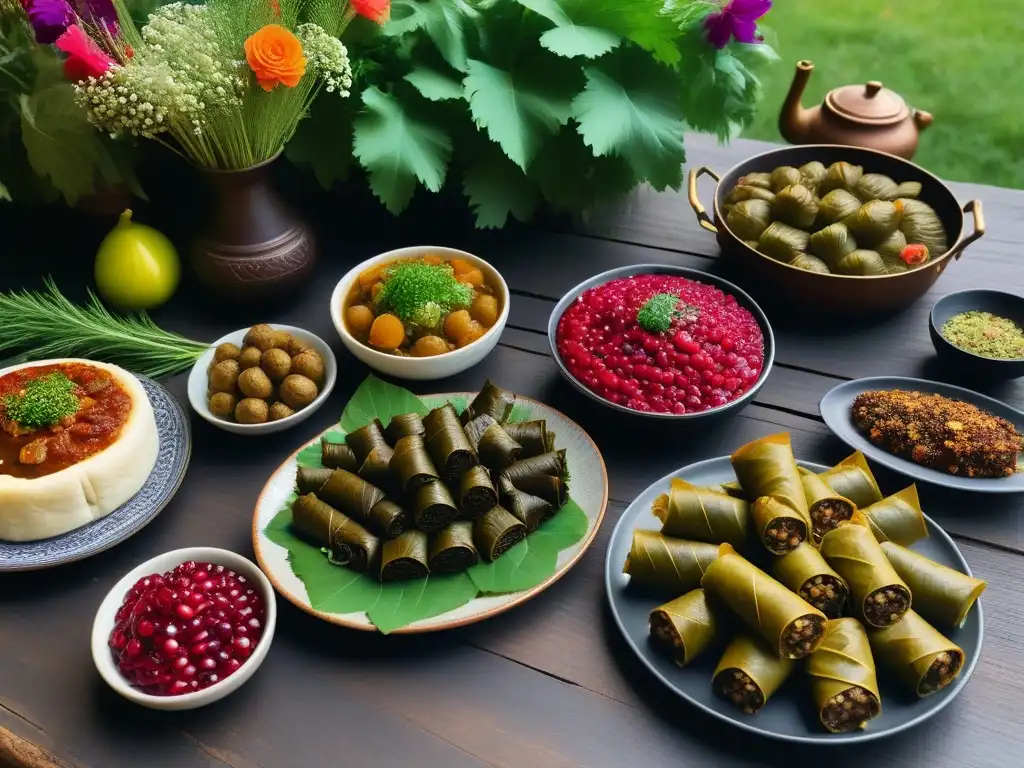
<point x="662" y="344"/>
<point x="187" y="629"/>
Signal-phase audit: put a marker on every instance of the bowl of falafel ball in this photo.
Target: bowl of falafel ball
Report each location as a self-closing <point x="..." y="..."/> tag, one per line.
<point x="263" y="379"/>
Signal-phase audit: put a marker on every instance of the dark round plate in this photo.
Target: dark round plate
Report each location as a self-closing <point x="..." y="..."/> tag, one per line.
<point x="171" y="463"/>
<point x="837" y="403"/>
<point x="788" y="715"/>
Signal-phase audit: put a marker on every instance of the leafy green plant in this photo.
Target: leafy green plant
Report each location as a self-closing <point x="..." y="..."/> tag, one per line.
<point x="529" y="102"/>
<point x="392" y="605"/>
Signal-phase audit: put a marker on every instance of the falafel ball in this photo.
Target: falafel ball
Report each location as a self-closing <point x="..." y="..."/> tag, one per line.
<point x="280" y="411"/>
<point x="226" y="351"/>
<point x="224" y="376"/>
<point x="255" y="383"/>
<point x="260" y="336"/>
<point x="249" y="357"/>
<point x="298" y="391"/>
<point x="251" y="411"/>
<point x="309" y="364"/>
<point x="222" y="405"/>
<point x="282" y="339"/>
<point x="296" y="346"/>
<point x="276" y="363"/>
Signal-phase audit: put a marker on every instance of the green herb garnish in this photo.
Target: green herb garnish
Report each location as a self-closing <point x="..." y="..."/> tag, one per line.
<point x="658" y="312"/>
<point x="47" y="324"/>
<point x="43" y="402"/>
<point x="410" y="286"/>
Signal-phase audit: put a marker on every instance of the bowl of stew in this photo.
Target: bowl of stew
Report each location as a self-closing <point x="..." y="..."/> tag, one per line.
<point x="422" y="312"/>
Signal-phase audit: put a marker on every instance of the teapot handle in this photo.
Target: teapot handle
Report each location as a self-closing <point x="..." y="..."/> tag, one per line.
<point x="695" y="203"/>
<point x="973" y="208"/>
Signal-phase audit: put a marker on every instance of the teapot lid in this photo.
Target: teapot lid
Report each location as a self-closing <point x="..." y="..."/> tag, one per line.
<point x="868" y="103"/>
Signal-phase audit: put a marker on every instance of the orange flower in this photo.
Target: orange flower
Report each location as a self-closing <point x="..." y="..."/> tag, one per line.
<point x="275" y="56"/>
<point x="374" y="10"/>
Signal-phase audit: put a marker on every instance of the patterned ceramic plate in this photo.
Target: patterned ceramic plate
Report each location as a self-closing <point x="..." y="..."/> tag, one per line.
<point x="172" y="461"/>
<point x="589" y="489"/>
<point x="788" y="715"/>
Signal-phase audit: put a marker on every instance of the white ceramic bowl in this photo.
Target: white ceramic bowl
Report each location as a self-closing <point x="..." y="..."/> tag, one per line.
<point x="198" y="384"/>
<point x="437" y="367"/>
<point x="104" y="624"/>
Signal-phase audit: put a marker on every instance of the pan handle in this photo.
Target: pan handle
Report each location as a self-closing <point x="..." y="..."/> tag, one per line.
<point x="973" y="208"/>
<point x="698" y="208"/>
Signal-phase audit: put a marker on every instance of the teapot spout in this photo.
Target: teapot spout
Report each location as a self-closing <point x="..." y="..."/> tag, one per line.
<point x="795" y="121"/>
<point x="922" y="119"/>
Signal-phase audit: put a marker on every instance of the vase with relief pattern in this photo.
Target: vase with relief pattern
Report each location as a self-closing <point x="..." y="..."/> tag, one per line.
<point x="254" y="245"/>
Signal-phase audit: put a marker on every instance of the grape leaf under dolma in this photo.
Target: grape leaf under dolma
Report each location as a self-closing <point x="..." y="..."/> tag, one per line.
<point x="376" y="399"/>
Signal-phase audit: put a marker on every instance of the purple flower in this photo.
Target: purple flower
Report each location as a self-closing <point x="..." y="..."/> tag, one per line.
<point x="49" y="18"/>
<point x="738" y="19"/>
<point x="99" y="13"/>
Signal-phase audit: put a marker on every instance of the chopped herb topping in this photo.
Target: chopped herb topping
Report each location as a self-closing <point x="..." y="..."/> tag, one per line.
<point x="658" y="312"/>
<point x="43" y="401"/>
<point x="409" y="286"/>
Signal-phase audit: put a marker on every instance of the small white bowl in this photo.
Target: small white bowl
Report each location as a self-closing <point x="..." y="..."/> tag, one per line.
<point x="199" y="384"/>
<point x="104" y="624"/>
<point x="439" y="366"/>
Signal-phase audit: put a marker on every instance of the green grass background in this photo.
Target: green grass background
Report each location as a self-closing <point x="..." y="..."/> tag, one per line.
<point x="961" y="60"/>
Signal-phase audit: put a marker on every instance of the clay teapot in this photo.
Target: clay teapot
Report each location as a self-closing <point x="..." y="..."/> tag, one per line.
<point x="868" y="116"/>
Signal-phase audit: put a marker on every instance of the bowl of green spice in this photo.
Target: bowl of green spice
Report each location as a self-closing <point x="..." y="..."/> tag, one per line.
<point x="980" y="332"/>
<point x="422" y="312"/>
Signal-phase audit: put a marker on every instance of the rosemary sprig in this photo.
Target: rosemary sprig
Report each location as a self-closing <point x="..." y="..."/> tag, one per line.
<point x="47" y="324"/>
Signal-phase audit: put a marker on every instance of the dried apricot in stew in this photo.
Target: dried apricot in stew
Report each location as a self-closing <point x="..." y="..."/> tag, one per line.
<point x="475" y="332"/>
<point x="473" y="277"/>
<point x="460" y="266"/>
<point x="433" y="259"/>
<point x="457" y="325"/>
<point x="369" y="277"/>
<point x="485" y="310"/>
<point x="428" y="346"/>
<point x="387" y="332"/>
<point x="360" y="318"/>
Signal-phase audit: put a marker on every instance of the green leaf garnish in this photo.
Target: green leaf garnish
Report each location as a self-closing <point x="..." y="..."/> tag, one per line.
<point x="43" y="401"/>
<point x="376" y="399"/>
<point x="412" y="288"/>
<point x="658" y="312"/>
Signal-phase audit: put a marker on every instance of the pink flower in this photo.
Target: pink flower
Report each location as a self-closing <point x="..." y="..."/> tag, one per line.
<point x="738" y="19"/>
<point x="85" y="58"/>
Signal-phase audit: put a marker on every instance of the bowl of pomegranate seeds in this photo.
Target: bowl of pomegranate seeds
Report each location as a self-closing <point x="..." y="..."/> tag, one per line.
<point x="662" y="341"/>
<point x="184" y="629"/>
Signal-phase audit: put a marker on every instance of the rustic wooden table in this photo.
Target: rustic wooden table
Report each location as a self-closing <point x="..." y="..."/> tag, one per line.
<point x="550" y="683"/>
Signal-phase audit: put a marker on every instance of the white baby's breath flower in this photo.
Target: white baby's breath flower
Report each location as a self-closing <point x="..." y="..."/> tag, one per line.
<point x="327" y="57"/>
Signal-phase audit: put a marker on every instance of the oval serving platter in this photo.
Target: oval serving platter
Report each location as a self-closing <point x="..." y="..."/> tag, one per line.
<point x="128" y="519"/>
<point x="589" y="489"/>
<point x="789" y="715"/>
<point x="836" y="408"/>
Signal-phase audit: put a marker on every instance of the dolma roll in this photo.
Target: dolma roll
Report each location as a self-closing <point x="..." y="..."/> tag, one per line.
<point x="404" y="557"/>
<point x="843" y="681"/>
<point x="476" y="492"/>
<point x="351" y="494"/>
<point x="433" y="507"/>
<point x="550" y="463"/>
<point x="805" y="572"/>
<point x="452" y="549"/>
<point x="749" y="673"/>
<point x="684" y="626"/>
<point x="404" y="425"/>
<point x="447" y="442"/>
<point x="877" y="594"/>
<point x="942" y="595"/>
<point x="389" y="518"/>
<point x="733" y="488"/>
<point x="377" y="468"/>
<point x="324" y="526"/>
<point x="411" y="465"/>
<point x="766" y="467"/>
<point x="363" y="440"/>
<point x="897" y="518"/>
<point x="552" y="489"/>
<point x="779" y="528"/>
<point x="532" y="510"/>
<point x="667" y="564"/>
<point x="533" y="436"/>
<point x="826" y="508"/>
<point x="690" y="513"/>
<point x="492" y="444"/>
<point x="792" y="627"/>
<point x="338" y="456"/>
<point x="311" y="479"/>
<point x="852" y="479"/>
<point x="918" y="654"/>
<point x="492" y="401"/>
<point x="496" y="531"/>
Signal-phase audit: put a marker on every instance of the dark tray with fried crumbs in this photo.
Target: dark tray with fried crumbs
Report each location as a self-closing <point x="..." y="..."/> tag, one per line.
<point x="790" y="714"/>
<point x="836" y="410"/>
